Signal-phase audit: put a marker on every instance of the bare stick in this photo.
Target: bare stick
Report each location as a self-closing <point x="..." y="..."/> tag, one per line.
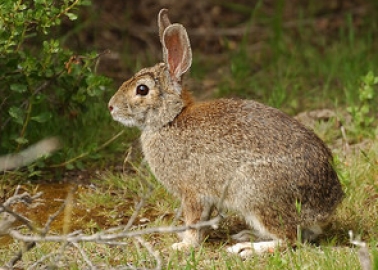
<point x="52" y="218"/>
<point x="60" y="253"/>
<point x="12" y="216"/>
<point x="21" y="218"/>
<point x="103" y="236"/>
<point x="363" y="252"/>
<point x="126" y="159"/>
<point x="84" y="255"/>
<point x="24" y="197"/>
<point x="42" y="232"/>
<point x="30" y="154"/>
<point x="42" y="259"/>
<point x="136" y="212"/>
<point x="6" y="222"/>
<point x="19" y="254"/>
<point x="343" y="133"/>
<point x="158" y="259"/>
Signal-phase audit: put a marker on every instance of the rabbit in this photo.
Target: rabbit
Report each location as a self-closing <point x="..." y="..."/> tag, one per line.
<point x="238" y="154"/>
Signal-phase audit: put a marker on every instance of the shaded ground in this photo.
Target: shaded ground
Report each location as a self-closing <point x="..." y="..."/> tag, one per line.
<point x="129" y="30"/>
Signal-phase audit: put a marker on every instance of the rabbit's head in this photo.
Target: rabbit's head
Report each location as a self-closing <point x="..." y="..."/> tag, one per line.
<point x="153" y="97"/>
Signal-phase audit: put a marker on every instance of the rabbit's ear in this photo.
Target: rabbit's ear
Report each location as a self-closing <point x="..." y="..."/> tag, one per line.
<point x="176" y="50"/>
<point x="163" y="22"/>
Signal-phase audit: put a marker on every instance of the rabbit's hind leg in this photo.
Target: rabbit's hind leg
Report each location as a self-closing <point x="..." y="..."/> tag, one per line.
<point x="246" y="249"/>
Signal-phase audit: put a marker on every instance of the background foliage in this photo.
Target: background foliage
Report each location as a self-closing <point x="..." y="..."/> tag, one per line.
<point x="45" y="87"/>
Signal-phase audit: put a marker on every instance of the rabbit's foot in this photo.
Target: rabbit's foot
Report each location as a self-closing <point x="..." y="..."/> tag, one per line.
<point x="189" y="238"/>
<point x="247" y="249"/>
<point x="182" y="245"/>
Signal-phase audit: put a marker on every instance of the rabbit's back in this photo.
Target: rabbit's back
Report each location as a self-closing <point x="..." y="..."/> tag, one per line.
<point x="241" y="130"/>
<point x="260" y="154"/>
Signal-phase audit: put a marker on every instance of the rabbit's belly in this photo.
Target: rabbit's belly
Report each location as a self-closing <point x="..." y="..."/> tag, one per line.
<point x="212" y="176"/>
<point x="192" y="173"/>
<point x="177" y="165"/>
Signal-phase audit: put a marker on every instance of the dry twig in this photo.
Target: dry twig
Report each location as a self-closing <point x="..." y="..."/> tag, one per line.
<point x="30" y="154"/>
<point x="363" y="252"/>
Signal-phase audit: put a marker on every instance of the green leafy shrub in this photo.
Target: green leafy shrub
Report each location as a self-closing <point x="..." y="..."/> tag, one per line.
<point x="361" y="110"/>
<point x="43" y="84"/>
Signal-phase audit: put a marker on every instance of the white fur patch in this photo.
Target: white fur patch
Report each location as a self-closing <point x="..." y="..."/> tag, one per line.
<point x="181" y="246"/>
<point x="247" y="249"/>
<point x="129" y="122"/>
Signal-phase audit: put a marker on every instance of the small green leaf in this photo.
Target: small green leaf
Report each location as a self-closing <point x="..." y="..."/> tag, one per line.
<point x="350" y="109"/>
<point x="70" y="166"/>
<point x="21" y="140"/>
<point x="18" y="87"/>
<point x="80" y="97"/>
<point x="71" y="16"/>
<point x="22" y="7"/>
<point x="79" y="164"/>
<point x="34" y="172"/>
<point x="17" y="114"/>
<point x="43" y="117"/>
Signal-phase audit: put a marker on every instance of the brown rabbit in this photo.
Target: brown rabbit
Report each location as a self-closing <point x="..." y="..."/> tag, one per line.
<point x="244" y="155"/>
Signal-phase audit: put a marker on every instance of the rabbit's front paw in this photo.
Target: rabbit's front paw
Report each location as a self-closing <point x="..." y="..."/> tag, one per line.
<point x="189" y="238"/>
<point x="182" y="246"/>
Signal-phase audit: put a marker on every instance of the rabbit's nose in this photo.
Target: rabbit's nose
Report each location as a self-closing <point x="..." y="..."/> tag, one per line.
<point x="111" y="108"/>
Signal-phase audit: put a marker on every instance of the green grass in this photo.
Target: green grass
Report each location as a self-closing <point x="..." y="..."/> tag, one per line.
<point x="301" y="68"/>
<point x="302" y="77"/>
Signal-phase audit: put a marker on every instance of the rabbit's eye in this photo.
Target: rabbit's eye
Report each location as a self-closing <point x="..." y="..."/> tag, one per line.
<point x="142" y="90"/>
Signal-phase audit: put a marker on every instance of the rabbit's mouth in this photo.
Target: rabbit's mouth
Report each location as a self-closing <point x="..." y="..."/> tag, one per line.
<point x="119" y="115"/>
<point x="128" y="122"/>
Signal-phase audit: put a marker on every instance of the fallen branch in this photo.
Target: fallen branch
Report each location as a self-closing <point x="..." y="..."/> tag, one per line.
<point x="30" y="154"/>
<point x="8" y="217"/>
<point x="28" y="199"/>
<point x="363" y="252"/>
<point x="104" y="237"/>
